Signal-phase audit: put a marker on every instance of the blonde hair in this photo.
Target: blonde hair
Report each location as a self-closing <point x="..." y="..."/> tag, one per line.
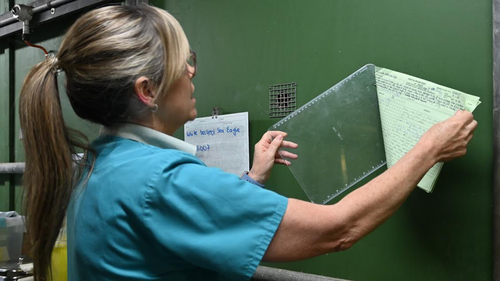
<point x="102" y="54"/>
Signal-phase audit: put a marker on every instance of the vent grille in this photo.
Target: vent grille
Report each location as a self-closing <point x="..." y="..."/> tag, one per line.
<point x="282" y="99"/>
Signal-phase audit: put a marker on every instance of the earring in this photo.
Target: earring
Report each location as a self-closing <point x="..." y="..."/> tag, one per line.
<point x="154" y="109"/>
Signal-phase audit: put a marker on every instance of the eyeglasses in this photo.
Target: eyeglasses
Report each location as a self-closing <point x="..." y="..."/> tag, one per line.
<point x="192" y="62"/>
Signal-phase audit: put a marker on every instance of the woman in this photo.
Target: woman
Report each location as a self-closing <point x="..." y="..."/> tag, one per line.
<point x="141" y="206"/>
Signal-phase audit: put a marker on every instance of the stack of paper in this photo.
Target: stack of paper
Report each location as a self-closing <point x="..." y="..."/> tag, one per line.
<point x="409" y="106"/>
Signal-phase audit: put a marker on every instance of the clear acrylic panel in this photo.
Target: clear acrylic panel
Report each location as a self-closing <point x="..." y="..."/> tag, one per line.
<point x="339" y="136"/>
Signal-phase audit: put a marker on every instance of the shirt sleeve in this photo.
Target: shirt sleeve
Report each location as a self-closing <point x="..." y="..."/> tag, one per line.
<point x="213" y="219"/>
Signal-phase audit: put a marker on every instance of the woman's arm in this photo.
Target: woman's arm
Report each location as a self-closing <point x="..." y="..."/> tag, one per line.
<point x="309" y="230"/>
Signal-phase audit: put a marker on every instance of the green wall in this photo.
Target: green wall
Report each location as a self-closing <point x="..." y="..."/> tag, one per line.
<point x="245" y="46"/>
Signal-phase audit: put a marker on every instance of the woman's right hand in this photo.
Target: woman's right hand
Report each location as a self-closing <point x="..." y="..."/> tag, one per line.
<point x="267" y="153"/>
<point x="448" y="139"/>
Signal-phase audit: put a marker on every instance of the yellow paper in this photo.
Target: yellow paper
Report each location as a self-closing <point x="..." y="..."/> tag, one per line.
<point x="409" y="106"/>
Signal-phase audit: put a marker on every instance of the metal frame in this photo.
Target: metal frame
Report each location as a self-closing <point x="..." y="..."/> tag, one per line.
<point x="496" y="140"/>
<point x="47" y="10"/>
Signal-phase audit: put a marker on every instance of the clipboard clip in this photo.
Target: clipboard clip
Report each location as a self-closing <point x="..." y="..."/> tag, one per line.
<point x="216" y="112"/>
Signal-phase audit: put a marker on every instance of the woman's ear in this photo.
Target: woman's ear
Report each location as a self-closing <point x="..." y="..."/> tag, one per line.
<point x="144" y="91"/>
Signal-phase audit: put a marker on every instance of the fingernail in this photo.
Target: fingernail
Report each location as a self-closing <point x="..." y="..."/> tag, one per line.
<point x="279" y="137"/>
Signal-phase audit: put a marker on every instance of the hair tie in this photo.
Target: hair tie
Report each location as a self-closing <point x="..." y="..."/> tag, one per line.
<point x="54" y="63"/>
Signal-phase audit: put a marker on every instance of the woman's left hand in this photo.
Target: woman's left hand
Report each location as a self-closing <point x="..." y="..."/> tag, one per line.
<point x="267" y="154"/>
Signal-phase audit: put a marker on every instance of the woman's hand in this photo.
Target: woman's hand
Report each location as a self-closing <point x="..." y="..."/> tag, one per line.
<point x="448" y="139"/>
<point x="267" y="154"/>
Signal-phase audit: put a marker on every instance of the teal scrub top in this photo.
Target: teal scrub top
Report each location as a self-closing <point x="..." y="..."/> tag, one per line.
<point x="151" y="211"/>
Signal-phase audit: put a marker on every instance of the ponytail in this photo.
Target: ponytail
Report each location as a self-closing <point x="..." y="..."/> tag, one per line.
<point x="49" y="178"/>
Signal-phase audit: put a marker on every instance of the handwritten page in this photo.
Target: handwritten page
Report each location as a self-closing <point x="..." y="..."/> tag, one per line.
<point x="409" y="106"/>
<point x="221" y="141"/>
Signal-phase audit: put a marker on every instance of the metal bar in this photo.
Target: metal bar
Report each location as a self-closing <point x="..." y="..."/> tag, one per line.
<point x="36" y="10"/>
<point x="264" y="273"/>
<point x="12" y="168"/>
<point x="50" y="5"/>
<point x="496" y="140"/>
<point x="12" y="123"/>
<point x="42" y="13"/>
<point x="8" y="21"/>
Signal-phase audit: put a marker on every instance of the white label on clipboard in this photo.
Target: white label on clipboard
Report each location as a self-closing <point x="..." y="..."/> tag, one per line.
<point x="221" y="141"/>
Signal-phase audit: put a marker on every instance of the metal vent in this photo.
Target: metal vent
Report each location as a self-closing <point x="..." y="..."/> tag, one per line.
<point x="282" y="99"/>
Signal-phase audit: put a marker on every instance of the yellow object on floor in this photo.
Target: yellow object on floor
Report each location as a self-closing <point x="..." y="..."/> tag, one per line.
<point x="60" y="258"/>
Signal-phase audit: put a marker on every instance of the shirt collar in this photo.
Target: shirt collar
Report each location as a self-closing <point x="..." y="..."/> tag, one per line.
<point x="149" y="136"/>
